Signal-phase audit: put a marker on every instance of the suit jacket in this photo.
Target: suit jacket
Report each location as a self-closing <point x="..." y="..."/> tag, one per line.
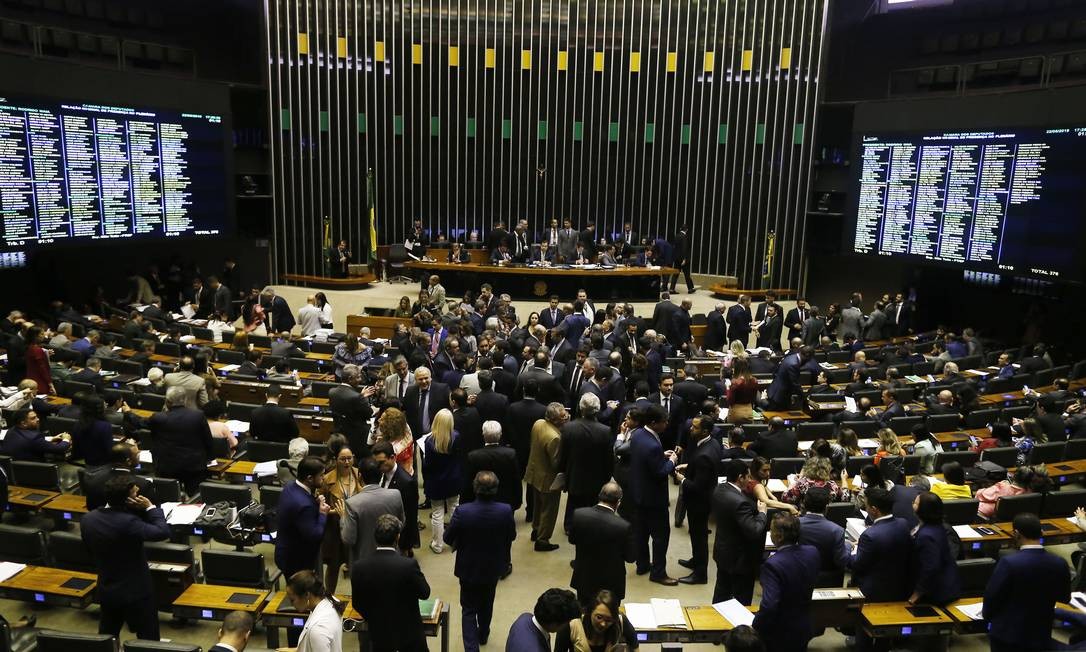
<point x="567" y="243"/>
<point x="763" y="308"/>
<point x="782" y="443"/>
<point x="702" y="471"/>
<point x="882" y="561"/>
<point x="491" y="405"/>
<point x="502" y="461"/>
<point x="386" y="588"/>
<point x="482" y="532"/>
<point x="392" y="387"/>
<point x="30" y="445"/>
<point x="94" y="485"/>
<point x="649" y="471"/>
<point x="517" y="428"/>
<point x="739" y="319"/>
<point x="195" y="387"/>
<point x="573" y="327"/>
<point x="796" y="316"/>
<point x="1021" y="596"/>
<point x="603" y="543"/>
<point x="587" y="456"/>
<point x="351" y="412"/>
<point x="934" y="569"/>
<point x="786" y="383"/>
<point x="222" y="301"/>
<point x="539" y="256"/>
<point x="788" y="579"/>
<point x="675" y="416"/>
<point x="852" y="321"/>
<point x="693" y="394"/>
<point x="90" y="377"/>
<point x="544" y="457"/>
<point x="282" y="319"/>
<point x="524" y="636"/>
<point x="300" y="530"/>
<point x="437" y="298"/>
<point x="549" y="389"/>
<point x="740" y="531"/>
<point x="875" y="326"/>
<point x="269" y="422"/>
<point x="439" y="399"/>
<point x="893" y="410"/>
<point x="904" y="496"/>
<point x="716" y="331"/>
<point x="828" y="538"/>
<point x="680" y="328"/>
<point x="403" y="482"/>
<point x="466" y="421"/>
<point x="550" y="321"/>
<point x="360" y="514"/>
<point x="813" y="328"/>
<point x="203" y="302"/>
<point x="180" y="441"/>
<point x="115" y="539"/>
<point x="663" y="319"/>
<point x="769" y="333"/>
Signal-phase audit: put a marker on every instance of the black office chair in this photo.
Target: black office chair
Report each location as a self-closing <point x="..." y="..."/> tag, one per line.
<point x="750" y="430"/>
<point x="68" y="552"/>
<point x="55" y="425"/>
<point x="855" y="463"/>
<point x="962" y="511"/>
<point x="1007" y="507"/>
<point x="168" y="349"/>
<point x="237" y="495"/>
<point x="139" y="645"/>
<point x="1017" y="412"/>
<point x="782" y="467"/>
<point x="73" y="387"/>
<point x="239" y="411"/>
<point x="234" y="568"/>
<point x="981" y="418"/>
<point x="327" y="347"/>
<point x="37" y="475"/>
<point x="809" y="431"/>
<point x="904" y="425"/>
<point x="874" y="394"/>
<point x="1075" y="449"/>
<point x="172" y="553"/>
<point x="911" y="464"/>
<point x="52" y="641"/>
<point x="862" y="428"/>
<point x="1043" y="378"/>
<point x="23" y="545"/>
<point x="150" y="402"/>
<point x="965" y="458"/>
<point x="837" y="357"/>
<point x="839" y="512"/>
<point x="164" y="490"/>
<point x="269" y="496"/>
<point x="229" y="356"/>
<point x="320" y="388"/>
<point x="944" y="422"/>
<point x="1047" y="453"/>
<point x="923" y="368"/>
<point x="397" y="256"/>
<point x="265" y="451"/>
<point x="1063" y="503"/>
<point x="973" y="575"/>
<point x="309" y="365"/>
<point x="1006" y="456"/>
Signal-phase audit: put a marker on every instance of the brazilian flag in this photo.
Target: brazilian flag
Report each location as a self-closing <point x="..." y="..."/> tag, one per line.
<point x="371" y="201"/>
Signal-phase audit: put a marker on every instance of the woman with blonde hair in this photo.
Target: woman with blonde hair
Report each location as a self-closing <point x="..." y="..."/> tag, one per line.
<point x="741" y="393"/>
<point x="889" y="444"/>
<point x="392" y="427"/>
<point x="403" y="310"/>
<point x="444" y="476"/>
<point x="817" y="472"/>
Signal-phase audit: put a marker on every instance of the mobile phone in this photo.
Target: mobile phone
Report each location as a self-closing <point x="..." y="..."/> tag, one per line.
<point x="985" y="531"/>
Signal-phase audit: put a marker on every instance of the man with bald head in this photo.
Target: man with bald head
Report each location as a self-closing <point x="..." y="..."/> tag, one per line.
<point x="604" y="545"/>
<point x="437" y="294"/>
<point x="716" y="330"/>
<point x="943" y="403"/>
<point x="309" y="316"/>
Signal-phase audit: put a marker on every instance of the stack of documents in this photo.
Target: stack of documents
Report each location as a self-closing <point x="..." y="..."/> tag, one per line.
<point x="966" y="532"/>
<point x="971" y="611"/>
<point x="854" y="527"/>
<point x="180" y="514"/>
<point x="9" y="570"/>
<point x="734" y="612"/>
<point x="658" y="613"/>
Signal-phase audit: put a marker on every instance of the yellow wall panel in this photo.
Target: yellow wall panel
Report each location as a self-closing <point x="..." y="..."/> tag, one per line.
<point x="672" y="61"/>
<point x="454" y="55"/>
<point x="709" y="61"/>
<point x="490" y="58"/>
<point x="526" y="59"/>
<point x="786" y="57"/>
<point x="303" y="43"/>
<point x="748" y="59"/>
<point x="416" y="53"/>
<point x="563" y="60"/>
<point x="341" y="47"/>
<point x="635" y="62"/>
<point x="598" y="61"/>
<point x="378" y="50"/>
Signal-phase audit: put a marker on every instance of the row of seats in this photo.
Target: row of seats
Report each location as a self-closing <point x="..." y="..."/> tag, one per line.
<point x="55" y="641"/>
<point x="95" y="49"/>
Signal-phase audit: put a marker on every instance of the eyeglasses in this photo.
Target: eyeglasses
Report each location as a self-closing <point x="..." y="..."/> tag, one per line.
<point x="347" y="458"/>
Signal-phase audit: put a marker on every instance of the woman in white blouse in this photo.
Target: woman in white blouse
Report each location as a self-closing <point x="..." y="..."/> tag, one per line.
<point x="323" y="631"/>
<point x="325" y="317"/>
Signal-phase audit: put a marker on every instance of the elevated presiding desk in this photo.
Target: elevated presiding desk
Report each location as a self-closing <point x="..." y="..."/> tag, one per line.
<point x="530" y="282"/>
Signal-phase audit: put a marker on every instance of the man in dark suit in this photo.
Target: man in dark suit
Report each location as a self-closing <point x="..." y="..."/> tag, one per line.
<point x="1023" y="591"/>
<point x="234" y="633"/>
<point x="531" y="632"/>
<point x="769" y="330"/>
<point x="201" y="299"/>
<point x="691" y="391"/>
<point x="604" y="545"/>
<point x="517" y="431"/>
<point x="466" y="421"/>
<point x="1048" y="415"/>
<point x="269" y="422"/>
<point x="739" y="319"/>
<point x="25" y="442"/>
<point x="699" y="479"/>
<point x="386" y="588"/>
<point x="351" y="410"/>
<point x="181" y="443"/>
<point x="740" y="535"/>
<point x="826" y="536"/>
<point x="114" y="536"/>
<point x="673" y="406"/>
<point x="124" y="458"/>
<point x="680" y="253"/>
<point x="716" y="330"/>
<point x="663" y="317"/>
<point x="681" y="326"/>
<point x="277" y="313"/>
<point x="501" y="461"/>
<point x="795" y="318"/>
<point x="814" y="327"/>
<point x="251" y="367"/>
<point x="788" y="580"/>
<point x="491" y="405"/>
<point x="498" y="236"/>
<point x="393" y="476"/>
<point x="302" y="515"/>
<point x="875" y="324"/>
<point x="423" y="400"/>
<point x="626" y="240"/>
<point x="482" y="532"/>
<point x="881" y="566"/>
<point x="587" y="456"/>
<point x="222" y="301"/>
<point x="892" y="410"/>
<point x="650" y="466"/>
<point x="89" y="374"/>
<point x="551" y="316"/>
<point x="786" y="383"/>
<point x="779" y="441"/>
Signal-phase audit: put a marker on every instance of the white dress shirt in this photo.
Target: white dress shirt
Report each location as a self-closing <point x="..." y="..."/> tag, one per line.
<point x="323" y="631"/>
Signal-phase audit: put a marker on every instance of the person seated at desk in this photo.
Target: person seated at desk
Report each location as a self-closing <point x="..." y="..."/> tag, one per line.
<point x="607" y="256"/>
<point x="1006" y="369"/>
<point x="90" y="375"/>
<point x="323" y="630"/>
<point x="215" y="411"/>
<point x="954" y="486"/>
<point x="1019" y="483"/>
<point x="457" y="254"/>
<point x="553" y="611"/>
<point x="233" y="633"/>
<point x="25" y="442"/>
<point x="124" y="457"/>
<point x="788" y="580"/>
<point x="269" y="422"/>
<point x="544" y="255"/>
<point x="251" y="366"/>
<point x="501" y="255"/>
<point x="282" y="373"/>
<point x="283" y="347"/>
<point x="602" y="627"/>
<point x="935" y="571"/>
<point x="1002" y="436"/>
<point x="92" y="436"/>
<point x="581" y="255"/>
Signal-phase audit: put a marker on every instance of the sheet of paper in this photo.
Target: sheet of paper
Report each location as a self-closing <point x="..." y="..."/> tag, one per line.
<point x="971" y="611"/>
<point x="3" y="433"/>
<point x="9" y="569"/>
<point x="227" y="368"/>
<point x="236" y="426"/>
<point x="141" y="382"/>
<point x="1078" y="601"/>
<point x="867" y="443"/>
<point x="145" y="457"/>
<point x="932" y="480"/>
<point x="854" y="527"/>
<point x="805" y="445"/>
<point x="182" y="514"/>
<point x="966" y="532"/>
<point x="266" y="468"/>
<point x="734" y="612"/>
<point x="768" y="540"/>
<point x="850" y="404"/>
<point x="668" y="612"/>
<point x="640" y="615"/>
<point x="776" y="485"/>
<point x="188" y="311"/>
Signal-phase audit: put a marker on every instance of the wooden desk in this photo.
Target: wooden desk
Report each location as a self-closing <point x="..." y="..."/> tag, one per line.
<point x="253" y="392"/>
<point x="310" y="376"/>
<point x="29" y="497"/>
<point x="314" y="428"/>
<point x="380" y="327"/>
<point x="67" y="507"/>
<point x="44" y="585"/>
<point x="789" y="416"/>
<point x="892" y="619"/>
<point x="1054" y="531"/>
<point x="314" y="401"/>
<point x="212" y="602"/>
<point x="241" y="471"/>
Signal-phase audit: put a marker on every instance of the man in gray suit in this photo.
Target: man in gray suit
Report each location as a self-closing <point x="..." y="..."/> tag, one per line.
<point x="437" y="294"/>
<point x="358" y="516"/>
<point x="194" y="386"/>
<point x="852" y="320"/>
<point x="813" y="328"/>
<point x="221" y="298"/>
<point x="397" y="384"/>
<point x="875" y="326"/>
<point x="567" y="241"/>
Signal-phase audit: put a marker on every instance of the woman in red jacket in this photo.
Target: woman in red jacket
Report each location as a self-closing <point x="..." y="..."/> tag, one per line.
<point x="37" y="360"/>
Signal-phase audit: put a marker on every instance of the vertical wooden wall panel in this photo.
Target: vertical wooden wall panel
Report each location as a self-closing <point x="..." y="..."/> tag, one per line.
<point x="657" y="112"/>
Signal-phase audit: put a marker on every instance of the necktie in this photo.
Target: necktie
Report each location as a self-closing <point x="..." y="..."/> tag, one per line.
<point x="403" y="386"/>
<point x="424" y="410"/>
<point x="384" y="481"/>
<point x="627" y="237"/>
<point x="554" y="316"/>
<point x="667" y="405"/>
<point x="576" y="384"/>
<point x="554" y="237"/>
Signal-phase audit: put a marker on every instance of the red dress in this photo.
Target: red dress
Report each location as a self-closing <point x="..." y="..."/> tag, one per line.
<point x="37" y="368"/>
